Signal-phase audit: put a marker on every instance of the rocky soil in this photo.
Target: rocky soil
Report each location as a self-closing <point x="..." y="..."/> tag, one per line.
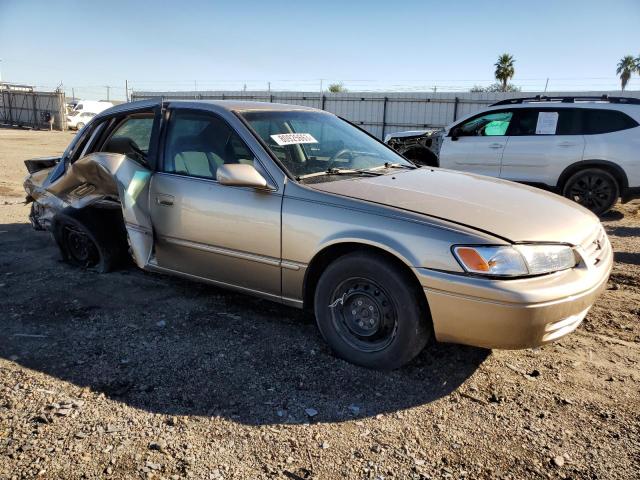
<point x="134" y="375"/>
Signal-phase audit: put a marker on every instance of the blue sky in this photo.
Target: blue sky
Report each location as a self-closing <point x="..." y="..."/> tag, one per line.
<point x="368" y="45"/>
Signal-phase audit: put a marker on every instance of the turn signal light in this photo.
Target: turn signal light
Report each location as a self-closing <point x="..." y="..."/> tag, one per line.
<point x="472" y="259"/>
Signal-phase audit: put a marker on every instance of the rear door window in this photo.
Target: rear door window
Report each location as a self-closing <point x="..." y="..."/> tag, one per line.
<point x="597" y="121"/>
<point x="525" y="121"/>
<point x="132" y="137"/>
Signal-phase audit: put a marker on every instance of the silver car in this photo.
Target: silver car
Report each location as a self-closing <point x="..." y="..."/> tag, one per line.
<point x="299" y="206"/>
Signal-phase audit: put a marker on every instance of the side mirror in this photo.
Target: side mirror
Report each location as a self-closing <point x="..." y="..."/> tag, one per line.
<point x="454" y="133"/>
<point x="240" y="175"/>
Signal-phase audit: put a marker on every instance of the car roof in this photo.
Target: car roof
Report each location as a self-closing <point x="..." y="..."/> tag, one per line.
<point x="243" y="105"/>
<point x="230" y="105"/>
<point x="559" y="104"/>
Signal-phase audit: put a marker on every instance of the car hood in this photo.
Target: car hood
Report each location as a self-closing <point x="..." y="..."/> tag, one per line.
<point x="515" y="212"/>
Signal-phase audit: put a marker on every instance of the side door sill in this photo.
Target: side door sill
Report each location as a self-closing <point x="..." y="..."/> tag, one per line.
<point x="152" y="266"/>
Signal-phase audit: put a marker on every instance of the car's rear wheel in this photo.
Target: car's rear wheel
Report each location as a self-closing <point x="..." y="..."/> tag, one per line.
<point x="593" y="188"/>
<point x="370" y="311"/>
<point x="79" y="126"/>
<point x="92" y="239"/>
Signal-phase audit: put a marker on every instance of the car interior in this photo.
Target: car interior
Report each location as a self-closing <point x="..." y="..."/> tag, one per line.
<point x="202" y="153"/>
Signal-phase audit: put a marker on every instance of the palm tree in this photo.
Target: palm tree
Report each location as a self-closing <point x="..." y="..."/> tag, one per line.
<point x="504" y="70"/>
<point x="626" y="67"/>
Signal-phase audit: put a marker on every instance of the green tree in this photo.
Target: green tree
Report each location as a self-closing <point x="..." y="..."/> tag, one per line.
<point x="626" y="66"/>
<point x="504" y="70"/>
<point x="337" y="88"/>
<point x="496" y="87"/>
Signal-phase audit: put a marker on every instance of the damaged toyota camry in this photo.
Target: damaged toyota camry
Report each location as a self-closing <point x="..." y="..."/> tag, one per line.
<point x="298" y="206"/>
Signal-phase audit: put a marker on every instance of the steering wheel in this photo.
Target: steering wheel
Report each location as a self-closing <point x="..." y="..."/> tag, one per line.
<point x="337" y="155"/>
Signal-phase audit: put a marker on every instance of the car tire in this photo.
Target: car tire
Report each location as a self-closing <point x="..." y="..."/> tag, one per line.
<point x="593" y="188"/>
<point x="370" y="312"/>
<point x="79" y="126"/>
<point x="93" y="239"/>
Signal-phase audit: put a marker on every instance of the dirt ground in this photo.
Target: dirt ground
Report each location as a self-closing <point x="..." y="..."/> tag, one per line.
<point x="135" y="375"/>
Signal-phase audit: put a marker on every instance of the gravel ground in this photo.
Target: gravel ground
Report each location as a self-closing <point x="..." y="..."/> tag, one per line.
<point x="135" y="375"/>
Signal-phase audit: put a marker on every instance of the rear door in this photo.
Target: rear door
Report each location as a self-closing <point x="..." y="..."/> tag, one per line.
<point x="476" y="145"/>
<point x="543" y="141"/>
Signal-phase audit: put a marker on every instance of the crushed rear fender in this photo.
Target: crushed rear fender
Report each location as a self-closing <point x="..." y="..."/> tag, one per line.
<point x="102" y="180"/>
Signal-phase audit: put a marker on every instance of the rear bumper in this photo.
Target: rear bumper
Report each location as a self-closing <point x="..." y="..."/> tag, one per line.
<point x="512" y="314"/>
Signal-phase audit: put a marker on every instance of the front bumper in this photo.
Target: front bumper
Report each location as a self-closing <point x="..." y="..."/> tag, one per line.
<point x="511" y="314"/>
<point x="630" y="193"/>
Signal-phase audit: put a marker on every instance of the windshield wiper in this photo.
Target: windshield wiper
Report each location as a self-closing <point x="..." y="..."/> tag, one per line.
<point x="399" y="165"/>
<point x="340" y="171"/>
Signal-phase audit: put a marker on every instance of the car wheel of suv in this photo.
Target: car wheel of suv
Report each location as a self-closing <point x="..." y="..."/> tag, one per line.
<point x="79" y="126"/>
<point x="593" y="188"/>
<point x="90" y="239"/>
<point x="370" y="312"/>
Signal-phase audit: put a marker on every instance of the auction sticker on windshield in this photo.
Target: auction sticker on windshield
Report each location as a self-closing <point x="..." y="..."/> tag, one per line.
<point x="293" y="138"/>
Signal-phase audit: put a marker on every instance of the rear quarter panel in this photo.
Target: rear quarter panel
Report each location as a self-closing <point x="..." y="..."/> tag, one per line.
<point x="621" y="148"/>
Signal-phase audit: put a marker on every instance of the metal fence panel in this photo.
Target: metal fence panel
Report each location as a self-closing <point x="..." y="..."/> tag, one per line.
<point x="380" y="113"/>
<point x="22" y="106"/>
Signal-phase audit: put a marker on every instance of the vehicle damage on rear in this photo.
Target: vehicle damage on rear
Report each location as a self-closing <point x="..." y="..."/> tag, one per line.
<point x="101" y="182"/>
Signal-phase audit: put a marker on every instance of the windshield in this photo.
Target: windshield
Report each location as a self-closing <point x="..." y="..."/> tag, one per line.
<point x="319" y="145"/>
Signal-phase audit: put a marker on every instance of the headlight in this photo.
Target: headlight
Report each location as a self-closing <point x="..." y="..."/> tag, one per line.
<point x="514" y="261"/>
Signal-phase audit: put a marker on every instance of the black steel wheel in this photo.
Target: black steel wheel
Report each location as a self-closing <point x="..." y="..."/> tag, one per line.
<point x="371" y="311"/>
<point x="80" y="247"/>
<point x="593" y="188"/>
<point x="364" y="314"/>
<point x="91" y="238"/>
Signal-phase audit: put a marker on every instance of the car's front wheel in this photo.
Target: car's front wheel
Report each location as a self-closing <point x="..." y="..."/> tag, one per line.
<point x="593" y="188"/>
<point x="371" y="312"/>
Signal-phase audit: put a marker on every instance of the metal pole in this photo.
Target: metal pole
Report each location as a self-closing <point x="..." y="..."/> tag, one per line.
<point x="35" y="110"/>
<point x="455" y="109"/>
<point x="108" y="88"/>
<point x="126" y="90"/>
<point x="546" y="85"/>
<point x="195" y="89"/>
<point x="384" y="116"/>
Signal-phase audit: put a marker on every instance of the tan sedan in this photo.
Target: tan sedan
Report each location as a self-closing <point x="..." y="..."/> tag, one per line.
<point x="298" y="206"/>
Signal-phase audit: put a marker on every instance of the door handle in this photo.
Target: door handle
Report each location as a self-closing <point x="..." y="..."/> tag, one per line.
<point x="567" y="144"/>
<point x="164" y="200"/>
<point x="496" y="145"/>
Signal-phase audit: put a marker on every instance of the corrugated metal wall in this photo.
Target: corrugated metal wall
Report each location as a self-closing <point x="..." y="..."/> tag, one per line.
<point x="378" y="113"/>
<point x="21" y="106"/>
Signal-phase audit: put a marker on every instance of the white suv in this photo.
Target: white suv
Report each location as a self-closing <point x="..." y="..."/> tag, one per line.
<point x="586" y="148"/>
